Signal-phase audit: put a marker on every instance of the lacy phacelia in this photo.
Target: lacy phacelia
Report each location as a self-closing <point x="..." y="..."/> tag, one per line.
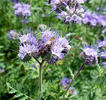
<point x="28" y="46"/>
<point x="94" y="19"/>
<point x="49" y="46"/>
<point x="68" y="10"/>
<point x="13" y="34"/>
<point x="22" y="9"/>
<point x="90" y="56"/>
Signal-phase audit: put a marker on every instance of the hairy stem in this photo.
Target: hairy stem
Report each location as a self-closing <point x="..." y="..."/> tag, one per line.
<point x="74" y="78"/>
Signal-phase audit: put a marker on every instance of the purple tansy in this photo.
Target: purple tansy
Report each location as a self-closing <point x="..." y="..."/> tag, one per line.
<point x="94" y="19"/>
<point x="72" y="11"/>
<point x="28" y="45"/>
<point x="15" y="1"/>
<point x="26" y="10"/>
<point x="102" y="44"/>
<point x="103" y="55"/>
<point x="28" y="38"/>
<point x="13" y="34"/>
<point x="27" y="49"/>
<point x="47" y="35"/>
<point x="60" y="47"/>
<point x="104" y="64"/>
<point x="65" y="82"/>
<point x="102" y="20"/>
<point x="90" y="55"/>
<point x="72" y="91"/>
<point x="23" y="9"/>
<point x="18" y="8"/>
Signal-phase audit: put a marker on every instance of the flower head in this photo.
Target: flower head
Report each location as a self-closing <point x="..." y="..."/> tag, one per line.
<point x="68" y="11"/>
<point x="13" y="34"/>
<point x="60" y="47"/>
<point x="28" y="46"/>
<point x="90" y="55"/>
<point x="65" y="82"/>
<point x="103" y="55"/>
<point x="23" y="9"/>
<point x="102" y="44"/>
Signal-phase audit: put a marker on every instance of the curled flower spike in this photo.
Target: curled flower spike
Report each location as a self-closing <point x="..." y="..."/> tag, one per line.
<point x="90" y="56"/>
<point x="68" y="10"/>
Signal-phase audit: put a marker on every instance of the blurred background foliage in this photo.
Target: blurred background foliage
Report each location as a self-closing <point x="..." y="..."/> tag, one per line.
<point x="19" y="81"/>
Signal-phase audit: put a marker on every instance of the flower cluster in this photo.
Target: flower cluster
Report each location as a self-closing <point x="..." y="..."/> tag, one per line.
<point x="22" y="9"/>
<point x="15" y="1"/>
<point x="102" y="47"/>
<point x="90" y="56"/>
<point x="65" y="83"/>
<point x="68" y="10"/>
<point x="28" y="46"/>
<point x="13" y="34"/>
<point x="94" y="19"/>
<point x="50" y="46"/>
<point x="102" y="44"/>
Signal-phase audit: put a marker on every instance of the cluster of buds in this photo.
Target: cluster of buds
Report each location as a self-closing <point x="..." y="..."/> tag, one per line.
<point x="68" y="10"/>
<point x="49" y="46"/>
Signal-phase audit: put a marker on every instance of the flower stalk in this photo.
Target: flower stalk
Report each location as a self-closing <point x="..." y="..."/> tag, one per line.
<point x="78" y="72"/>
<point x="40" y="79"/>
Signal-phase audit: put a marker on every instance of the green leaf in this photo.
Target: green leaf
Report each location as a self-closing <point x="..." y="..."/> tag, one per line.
<point x="23" y="98"/>
<point x="12" y="91"/>
<point x="18" y="95"/>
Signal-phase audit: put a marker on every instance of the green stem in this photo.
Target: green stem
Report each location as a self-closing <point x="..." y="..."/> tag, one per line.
<point x="40" y="79"/>
<point x="74" y="78"/>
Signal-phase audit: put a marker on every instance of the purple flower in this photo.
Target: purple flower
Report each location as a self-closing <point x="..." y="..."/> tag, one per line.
<point x="33" y="66"/>
<point x="13" y="34"/>
<point x="60" y="47"/>
<point x="28" y="38"/>
<point x="28" y="46"/>
<point x="72" y="91"/>
<point x="47" y="35"/>
<point x="103" y="55"/>
<point x="104" y="64"/>
<point x="23" y="9"/>
<point x="27" y="49"/>
<point x="102" y="44"/>
<point x="72" y="11"/>
<point x="94" y="19"/>
<point x="90" y="56"/>
<point x="2" y="70"/>
<point x="15" y="1"/>
<point x="65" y="82"/>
